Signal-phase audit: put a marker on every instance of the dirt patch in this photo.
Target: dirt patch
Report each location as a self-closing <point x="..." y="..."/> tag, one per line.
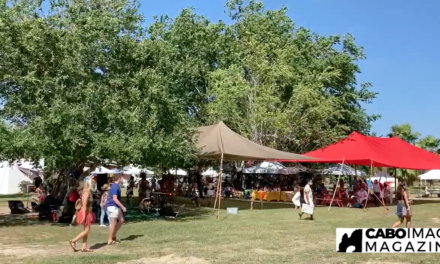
<point x="169" y="259"/>
<point x="21" y="252"/>
<point x="4" y="210"/>
<point x="261" y="251"/>
<point x="436" y="220"/>
<point x="386" y="262"/>
<point x="29" y="251"/>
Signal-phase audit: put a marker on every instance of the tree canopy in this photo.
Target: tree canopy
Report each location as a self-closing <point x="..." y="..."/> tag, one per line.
<point x="76" y="80"/>
<point x="84" y="80"/>
<point x="276" y="84"/>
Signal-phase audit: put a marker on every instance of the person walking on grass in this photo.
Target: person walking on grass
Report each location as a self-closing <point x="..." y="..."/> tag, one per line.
<point x="130" y="190"/>
<point x="403" y="208"/>
<point x="104" y="198"/>
<point x="309" y="206"/>
<point x="210" y="190"/>
<point x="376" y="189"/>
<point x="85" y="217"/>
<point x="297" y="197"/>
<point x="115" y="210"/>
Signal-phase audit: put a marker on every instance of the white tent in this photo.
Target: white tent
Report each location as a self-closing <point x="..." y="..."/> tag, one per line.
<point x="384" y="177"/>
<point x="178" y="172"/>
<point x="210" y="173"/>
<point x="267" y="167"/>
<point x="430" y="175"/>
<point x="102" y="170"/>
<point x="10" y="177"/>
<point x="343" y="169"/>
<point x="137" y="171"/>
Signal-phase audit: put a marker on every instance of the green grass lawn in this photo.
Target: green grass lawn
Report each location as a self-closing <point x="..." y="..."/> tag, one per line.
<point x="271" y="235"/>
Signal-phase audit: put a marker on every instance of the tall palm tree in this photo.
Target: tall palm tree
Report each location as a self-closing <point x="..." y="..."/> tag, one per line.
<point x="404" y="132"/>
<point x="430" y="143"/>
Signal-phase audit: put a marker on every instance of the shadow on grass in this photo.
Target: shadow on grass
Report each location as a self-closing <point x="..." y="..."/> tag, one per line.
<point x="427" y="201"/>
<point x="98" y="246"/>
<point x="131" y="237"/>
<point x="21" y="220"/>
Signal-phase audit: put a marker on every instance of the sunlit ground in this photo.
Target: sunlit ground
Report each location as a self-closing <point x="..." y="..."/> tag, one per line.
<point x="271" y="235"/>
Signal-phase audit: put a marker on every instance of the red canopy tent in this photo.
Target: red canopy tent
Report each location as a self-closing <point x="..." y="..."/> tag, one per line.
<point x="358" y="149"/>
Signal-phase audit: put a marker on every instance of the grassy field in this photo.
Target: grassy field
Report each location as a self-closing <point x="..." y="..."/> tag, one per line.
<point x="271" y="235"/>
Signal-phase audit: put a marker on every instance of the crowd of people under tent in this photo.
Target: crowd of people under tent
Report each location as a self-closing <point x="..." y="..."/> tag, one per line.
<point x="195" y="186"/>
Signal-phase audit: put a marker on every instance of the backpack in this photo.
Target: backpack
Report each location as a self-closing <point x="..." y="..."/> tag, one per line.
<point x="73" y="196"/>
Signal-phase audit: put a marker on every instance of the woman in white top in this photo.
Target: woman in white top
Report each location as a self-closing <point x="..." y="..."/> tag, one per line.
<point x="210" y="190"/>
<point x="297" y="197"/>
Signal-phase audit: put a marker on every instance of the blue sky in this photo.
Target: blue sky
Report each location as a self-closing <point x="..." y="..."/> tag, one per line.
<point x="401" y="41"/>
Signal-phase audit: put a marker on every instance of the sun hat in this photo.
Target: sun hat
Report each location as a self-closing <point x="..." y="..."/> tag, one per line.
<point x="105" y="187"/>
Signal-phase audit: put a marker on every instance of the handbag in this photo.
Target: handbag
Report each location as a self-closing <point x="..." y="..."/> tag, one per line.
<point x="307" y="209"/>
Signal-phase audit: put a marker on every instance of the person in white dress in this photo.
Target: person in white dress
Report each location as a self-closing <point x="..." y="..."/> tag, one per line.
<point x="210" y="192"/>
<point x="297" y="197"/>
<point x="309" y="206"/>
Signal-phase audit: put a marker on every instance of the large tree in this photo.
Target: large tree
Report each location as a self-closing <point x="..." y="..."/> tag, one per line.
<point x="78" y="86"/>
<point x="84" y="81"/>
<point x="276" y="84"/>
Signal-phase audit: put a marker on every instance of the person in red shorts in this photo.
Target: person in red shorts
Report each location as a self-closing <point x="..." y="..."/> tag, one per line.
<point x="84" y="217"/>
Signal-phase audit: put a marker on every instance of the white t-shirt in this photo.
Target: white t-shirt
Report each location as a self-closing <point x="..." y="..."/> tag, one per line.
<point x="376" y="188"/>
<point x="308" y="191"/>
<point x="210" y="188"/>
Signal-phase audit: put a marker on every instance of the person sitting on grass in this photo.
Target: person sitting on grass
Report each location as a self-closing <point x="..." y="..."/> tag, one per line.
<point x="361" y="196"/>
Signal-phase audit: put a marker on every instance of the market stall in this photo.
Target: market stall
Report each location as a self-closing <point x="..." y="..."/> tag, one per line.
<point x="357" y="149"/>
<point x="432" y="175"/>
<point x="221" y="143"/>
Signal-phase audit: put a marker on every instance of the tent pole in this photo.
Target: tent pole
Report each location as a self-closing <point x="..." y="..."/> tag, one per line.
<point x="395" y="180"/>
<point x="220" y="189"/>
<point x="337" y="185"/>
<point x="385" y="208"/>
<point x="355" y="175"/>
<point x="216" y="193"/>
<point x="371" y="172"/>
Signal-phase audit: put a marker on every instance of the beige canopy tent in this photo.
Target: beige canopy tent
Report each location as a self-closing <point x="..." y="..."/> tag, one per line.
<point x="221" y="143"/>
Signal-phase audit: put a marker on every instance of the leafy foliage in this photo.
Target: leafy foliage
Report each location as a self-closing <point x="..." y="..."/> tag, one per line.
<point x="406" y="133"/>
<point x="84" y="81"/>
<point x="284" y="86"/>
<point x="78" y="84"/>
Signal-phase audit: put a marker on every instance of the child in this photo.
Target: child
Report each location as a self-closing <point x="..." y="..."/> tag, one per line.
<point x="104" y="196"/>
